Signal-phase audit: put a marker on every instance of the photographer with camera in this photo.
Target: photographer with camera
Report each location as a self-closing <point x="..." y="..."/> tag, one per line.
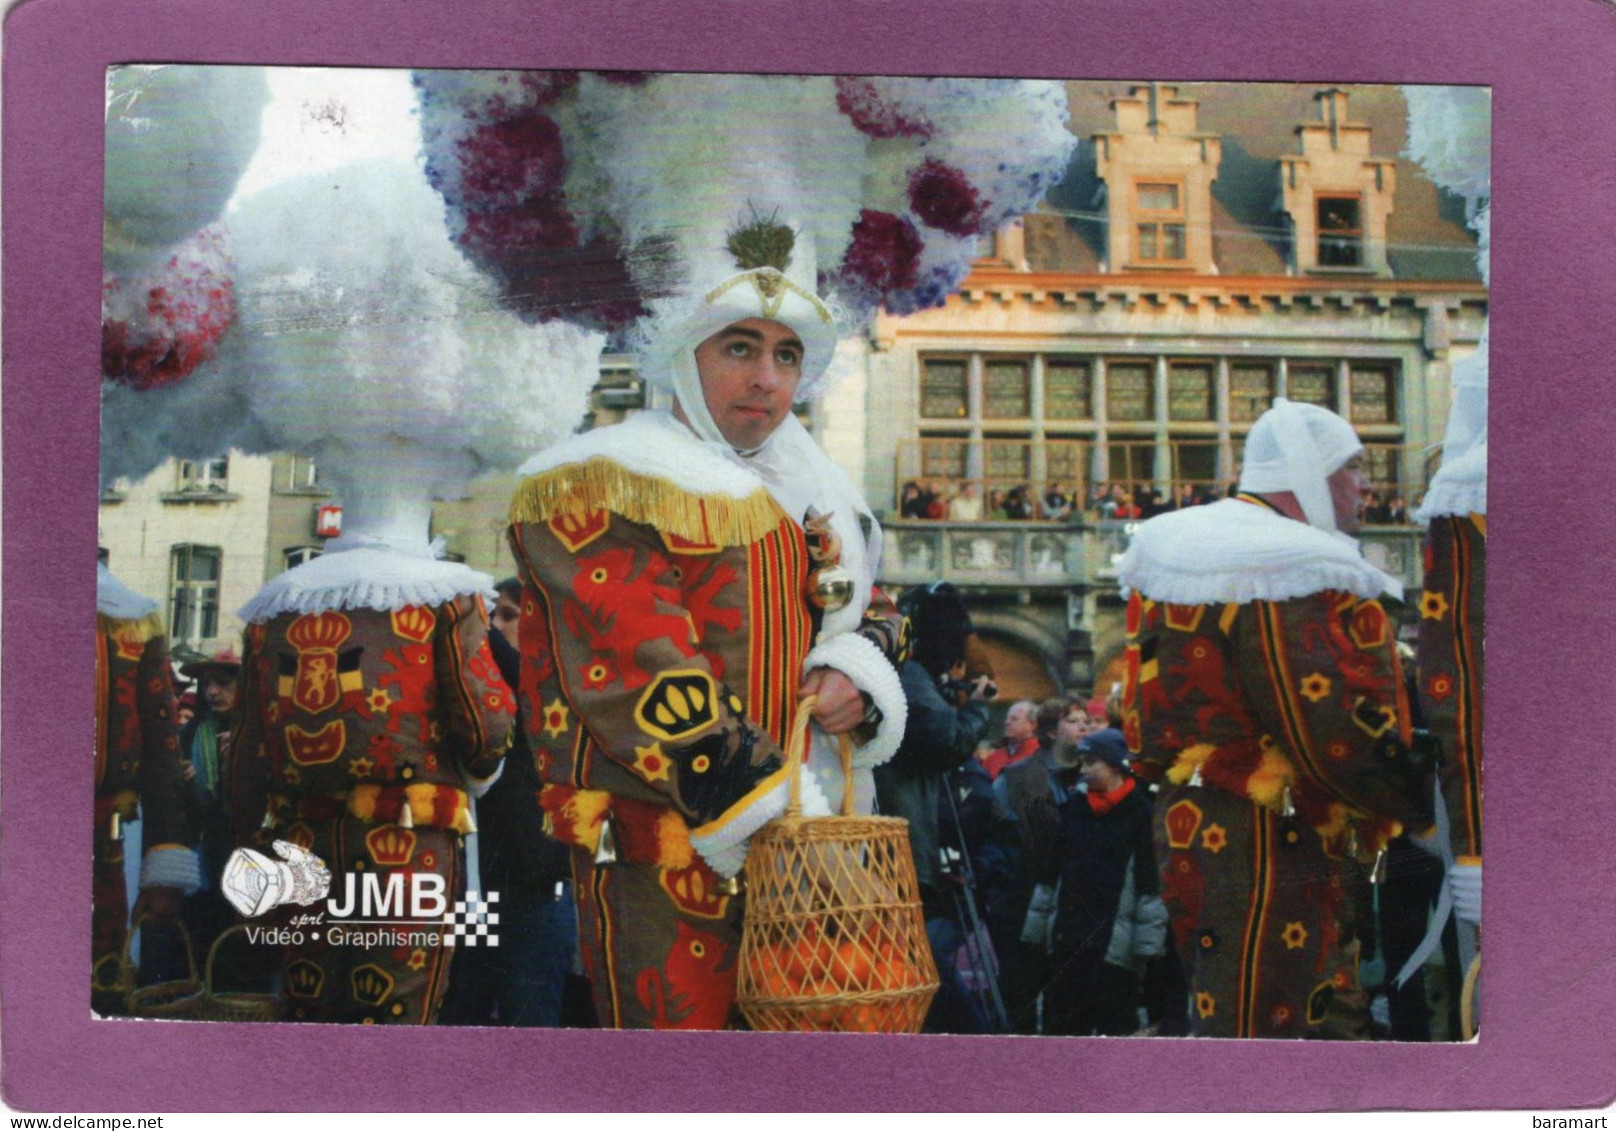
<point x="948" y="683"/>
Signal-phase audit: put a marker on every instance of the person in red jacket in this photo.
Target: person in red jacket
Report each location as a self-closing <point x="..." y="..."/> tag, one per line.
<point x="1020" y="738"/>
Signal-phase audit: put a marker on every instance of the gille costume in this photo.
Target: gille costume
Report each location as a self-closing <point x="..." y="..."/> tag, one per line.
<point x="137" y="770"/>
<point x="1263" y="688"/>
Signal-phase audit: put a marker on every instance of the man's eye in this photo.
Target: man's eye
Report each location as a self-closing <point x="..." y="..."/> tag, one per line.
<point x="739" y="349"/>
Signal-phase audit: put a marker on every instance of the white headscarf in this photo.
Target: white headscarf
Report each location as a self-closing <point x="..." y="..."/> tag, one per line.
<point x="798" y="475"/>
<point x="1459" y="486"/>
<point x="1297" y="447"/>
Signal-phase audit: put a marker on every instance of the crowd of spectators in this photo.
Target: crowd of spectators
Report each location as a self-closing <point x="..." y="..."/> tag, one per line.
<point x="1056" y="826"/>
<point x="963" y="501"/>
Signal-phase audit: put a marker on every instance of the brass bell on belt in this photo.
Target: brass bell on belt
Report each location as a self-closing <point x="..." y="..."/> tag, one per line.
<point x="830" y="588"/>
<point x="830" y="585"/>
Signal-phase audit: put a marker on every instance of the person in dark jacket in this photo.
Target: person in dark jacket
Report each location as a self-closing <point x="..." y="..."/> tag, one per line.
<point x="1109" y="918"/>
<point x="1026" y="790"/>
<point x="523" y="981"/>
<point x="948" y="714"/>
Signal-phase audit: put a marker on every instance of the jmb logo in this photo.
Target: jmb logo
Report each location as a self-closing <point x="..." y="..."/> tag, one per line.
<point x="419" y="895"/>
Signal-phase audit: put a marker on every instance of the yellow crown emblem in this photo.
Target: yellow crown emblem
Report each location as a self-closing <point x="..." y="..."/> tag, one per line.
<point x="414" y="623"/>
<point x="1182" y="823"/>
<point x="304" y="979"/>
<point x="325" y="631"/>
<point x="390" y="845"/>
<point x="370" y="984"/>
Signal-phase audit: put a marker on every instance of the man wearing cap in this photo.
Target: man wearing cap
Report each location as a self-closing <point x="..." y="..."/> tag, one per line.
<point x="1109" y="918"/>
<point x="137" y="770"/>
<point x="1263" y="687"/>
<point x="690" y="576"/>
<point x="204" y="752"/>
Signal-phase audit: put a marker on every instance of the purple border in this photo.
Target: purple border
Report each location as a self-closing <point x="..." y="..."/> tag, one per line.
<point x="1552" y="920"/>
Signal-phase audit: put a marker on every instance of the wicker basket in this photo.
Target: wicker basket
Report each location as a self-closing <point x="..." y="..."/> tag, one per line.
<point x="236" y="1005"/>
<point x="176" y="1000"/>
<point x="834" y="939"/>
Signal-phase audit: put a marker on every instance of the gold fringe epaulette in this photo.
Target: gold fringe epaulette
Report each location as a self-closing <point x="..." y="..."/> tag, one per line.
<point x="142" y="629"/>
<point x="602" y="484"/>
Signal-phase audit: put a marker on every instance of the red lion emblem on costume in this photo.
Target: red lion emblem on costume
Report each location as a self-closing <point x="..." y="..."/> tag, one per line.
<point x="696" y="985"/>
<point x="618" y="609"/>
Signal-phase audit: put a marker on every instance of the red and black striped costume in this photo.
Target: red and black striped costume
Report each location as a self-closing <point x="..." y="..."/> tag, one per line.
<point x="662" y="637"/>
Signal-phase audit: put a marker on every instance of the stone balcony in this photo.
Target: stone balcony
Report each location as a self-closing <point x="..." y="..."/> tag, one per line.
<point x="1034" y="555"/>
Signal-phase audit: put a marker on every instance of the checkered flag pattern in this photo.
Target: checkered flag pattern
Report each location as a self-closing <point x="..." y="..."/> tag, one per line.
<point x="468" y="924"/>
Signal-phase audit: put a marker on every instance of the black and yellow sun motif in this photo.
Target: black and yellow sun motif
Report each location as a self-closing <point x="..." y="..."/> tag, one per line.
<point x="678" y="704"/>
<point x="1205" y="1004"/>
<point x="1316" y="686"/>
<point x="1295" y="935"/>
<point x="1214" y="838"/>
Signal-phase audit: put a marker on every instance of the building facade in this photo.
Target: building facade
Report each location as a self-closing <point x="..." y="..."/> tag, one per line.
<point x="1212" y="246"/>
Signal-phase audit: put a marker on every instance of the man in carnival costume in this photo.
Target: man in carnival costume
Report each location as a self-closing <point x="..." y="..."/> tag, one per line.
<point x="372" y="712"/>
<point x="1450" y="135"/>
<point x="1263" y="685"/>
<point x="691" y="575"/>
<point x="694" y="574"/>
<point x="166" y="302"/>
<point x="137" y="772"/>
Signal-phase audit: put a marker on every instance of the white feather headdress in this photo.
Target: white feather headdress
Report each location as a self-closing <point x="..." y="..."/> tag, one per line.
<point x="883" y="184"/>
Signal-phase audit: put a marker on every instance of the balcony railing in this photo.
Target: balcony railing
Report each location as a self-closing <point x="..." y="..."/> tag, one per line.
<point x="1051" y="555"/>
<point x="937" y="467"/>
<point x="995" y="554"/>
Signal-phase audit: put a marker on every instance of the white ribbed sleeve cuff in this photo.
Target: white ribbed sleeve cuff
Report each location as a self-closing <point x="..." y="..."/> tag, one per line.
<point x="861" y="661"/>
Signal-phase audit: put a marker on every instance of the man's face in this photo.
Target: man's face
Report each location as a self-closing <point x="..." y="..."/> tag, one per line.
<point x="1073" y="726"/>
<point x="505" y="618"/>
<point x="219" y="688"/>
<point x="1019" y="724"/>
<point x="749" y="373"/>
<point x="1349" y="491"/>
